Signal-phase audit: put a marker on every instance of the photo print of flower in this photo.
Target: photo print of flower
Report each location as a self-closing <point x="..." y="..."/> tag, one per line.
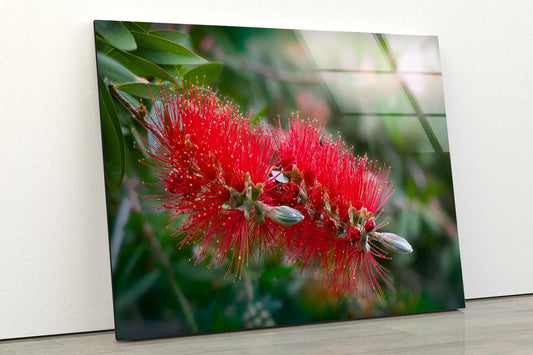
<point x="266" y="177"/>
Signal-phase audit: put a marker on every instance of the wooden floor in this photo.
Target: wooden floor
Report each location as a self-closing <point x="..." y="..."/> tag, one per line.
<point x="487" y="326"/>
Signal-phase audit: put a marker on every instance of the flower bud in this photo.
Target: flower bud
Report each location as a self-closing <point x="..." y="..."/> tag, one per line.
<point x="284" y="215"/>
<point x="279" y="176"/>
<point x="370" y="225"/>
<point x="394" y="242"/>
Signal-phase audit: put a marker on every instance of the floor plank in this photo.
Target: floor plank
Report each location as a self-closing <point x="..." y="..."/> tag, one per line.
<point x="493" y="326"/>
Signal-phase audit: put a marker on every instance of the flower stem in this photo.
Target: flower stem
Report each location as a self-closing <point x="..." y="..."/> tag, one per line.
<point x="139" y="113"/>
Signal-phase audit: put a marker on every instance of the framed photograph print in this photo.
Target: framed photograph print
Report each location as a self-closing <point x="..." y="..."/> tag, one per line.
<point x="261" y="177"/>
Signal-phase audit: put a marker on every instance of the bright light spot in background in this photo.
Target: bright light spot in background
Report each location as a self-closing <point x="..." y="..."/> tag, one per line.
<point x="344" y="51"/>
<point x="415" y="53"/>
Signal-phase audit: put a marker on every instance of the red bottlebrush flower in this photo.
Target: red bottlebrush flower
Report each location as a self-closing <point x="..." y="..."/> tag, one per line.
<point x="345" y="195"/>
<point x="215" y="168"/>
<point x="246" y="190"/>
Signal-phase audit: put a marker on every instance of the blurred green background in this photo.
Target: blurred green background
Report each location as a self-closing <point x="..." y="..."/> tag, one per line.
<point x="381" y="93"/>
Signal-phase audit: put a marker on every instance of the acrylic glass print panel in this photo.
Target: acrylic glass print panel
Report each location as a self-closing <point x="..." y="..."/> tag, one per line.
<point x="267" y="177"/>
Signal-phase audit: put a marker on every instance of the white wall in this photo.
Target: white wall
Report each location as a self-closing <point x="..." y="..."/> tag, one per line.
<point x="54" y="266"/>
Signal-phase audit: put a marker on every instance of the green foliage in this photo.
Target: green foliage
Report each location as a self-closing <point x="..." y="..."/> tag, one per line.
<point x="116" y="34"/>
<point x="112" y="69"/>
<point x="112" y="140"/>
<point x="173" y="36"/>
<point x="162" y="51"/>
<point x="140" y="66"/>
<point x="142" y="90"/>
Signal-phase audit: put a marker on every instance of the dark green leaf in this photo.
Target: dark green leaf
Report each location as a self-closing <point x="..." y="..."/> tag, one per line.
<point x="138" y="26"/>
<point x="102" y="45"/>
<point x="112" y="140"/>
<point x="159" y="57"/>
<point x="173" y="36"/>
<point x="116" y="34"/>
<point x="112" y="69"/>
<point x="203" y="74"/>
<point x="163" y="51"/>
<point x="137" y="289"/>
<point x="173" y="70"/>
<point x="142" y="90"/>
<point x="140" y="66"/>
<point x="130" y="263"/>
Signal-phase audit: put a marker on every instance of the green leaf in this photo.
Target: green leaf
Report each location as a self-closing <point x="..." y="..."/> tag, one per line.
<point x="137" y="289"/>
<point x="163" y="51"/>
<point x="130" y="261"/>
<point x="143" y="90"/>
<point x="112" y="140"/>
<point x="159" y="57"/>
<point x="173" y="70"/>
<point x="116" y="34"/>
<point x="173" y="36"/>
<point x="204" y="74"/>
<point x="140" y="66"/>
<point x="112" y="69"/>
<point x="138" y="26"/>
<point x="102" y="46"/>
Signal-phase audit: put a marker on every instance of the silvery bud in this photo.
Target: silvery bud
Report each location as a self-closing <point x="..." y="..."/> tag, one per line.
<point x="284" y="215"/>
<point x="394" y="242"/>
